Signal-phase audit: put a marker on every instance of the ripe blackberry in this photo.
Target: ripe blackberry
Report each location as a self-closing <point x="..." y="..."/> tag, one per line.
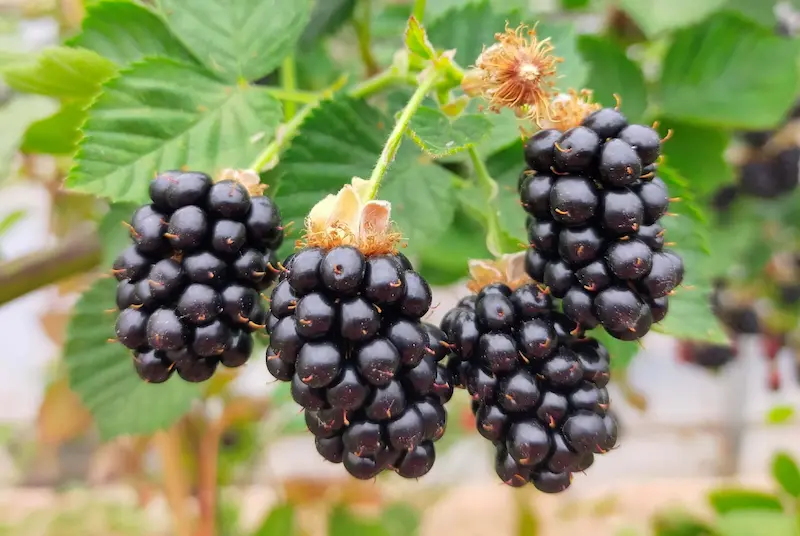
<point x="538" y="385"/>
<point x="598" y="226"/>
<point x="188" y="286"/>
<point x="347" y="333"/>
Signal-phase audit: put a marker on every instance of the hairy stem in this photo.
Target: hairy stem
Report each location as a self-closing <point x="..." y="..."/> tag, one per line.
<point x="289" y="84"/>
<point x="76" y="254"/>
<point x="176" y="485"/>
<point x="362" y="26"/>
<point x="303" y="97"/>
<point x="419" y="10"/>
<point x="399" y="130"/>
<point x="490" y="189"/>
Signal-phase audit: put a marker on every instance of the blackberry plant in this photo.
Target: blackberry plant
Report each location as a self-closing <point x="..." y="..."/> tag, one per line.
<point x="537" y="383"/>
<point x="189" y="285"/>
<point x="596" y="203"/>
<point x="346" y="331"/>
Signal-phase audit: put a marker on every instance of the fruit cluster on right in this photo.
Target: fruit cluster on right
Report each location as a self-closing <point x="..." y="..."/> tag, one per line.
<point x="538" y="386"/>
<point x="595" y="203"/>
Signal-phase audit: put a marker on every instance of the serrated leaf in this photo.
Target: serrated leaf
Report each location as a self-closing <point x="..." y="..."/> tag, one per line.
<point x="245" y="39"/>
<point x="467" y="28"/>
<point x="125" y="32"/>
<point x="343" y="138"/>
<point x="326" y="17"/>
<point x="102" y="374"/>
<point x="697" y="153"/>
<point x="572" y="73"/>
<point x="61" y="72"/>
<point x="57" y="134"/>
<point x="439" y="135"/>
<point x="780" y="414"/>
<point x="279" y="522"/>
<point x="729" y="55"/>
<point x="417" y="41"/>
<point x="445" y="261"/>
<point x="724" y="501"/>
<point x="657" y="16"/>
<point x="610" y="72"/>
<point x="756" y="524"/>
<point x="160" y="114"/>
<point x="786" y="472"/>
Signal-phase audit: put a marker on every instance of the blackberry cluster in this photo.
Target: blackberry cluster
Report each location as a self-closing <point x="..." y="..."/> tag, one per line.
<point x="346" y="332"/>
<point x="189" y="285"/>
<point x="538" y="386"/>
<point x="595" y="201"/>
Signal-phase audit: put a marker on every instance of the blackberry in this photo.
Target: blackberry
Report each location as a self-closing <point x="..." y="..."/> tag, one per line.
<point x="188" y="286"/>
<point x="538" y="385"/>
<point x="371" y="376"/>
<point x="598" y="226"/>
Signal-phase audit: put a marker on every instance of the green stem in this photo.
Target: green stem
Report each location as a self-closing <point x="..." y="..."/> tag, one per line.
<point x="399" y="130"/>
<point x="419" y="10"/>
<point x="362" y="26"/>
<point x="366" y="88"/>
<point x="289" y="83"/>
<point x="303" y="97"/>
<point x="490" y="190"/>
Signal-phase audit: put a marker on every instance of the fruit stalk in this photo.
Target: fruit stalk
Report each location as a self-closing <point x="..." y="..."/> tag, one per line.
<point x="489" y="187"/>
<point x="427" y="83"/>
<point x="76" y="254"/>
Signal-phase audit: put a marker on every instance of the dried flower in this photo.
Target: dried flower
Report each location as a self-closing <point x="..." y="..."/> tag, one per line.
<point x="517" y="72"/>
<point x="247" y="177"/>
<point x="507" y="269"/>
<point x="569" y="110"/>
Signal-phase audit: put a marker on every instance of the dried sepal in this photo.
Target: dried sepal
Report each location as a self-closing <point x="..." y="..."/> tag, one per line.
<point x="507" y="269"/>
<point x="249" y="178"/>
<point x="350" y="218"/>
<point x="568" y="110"/>
<point x="516" y="72"/>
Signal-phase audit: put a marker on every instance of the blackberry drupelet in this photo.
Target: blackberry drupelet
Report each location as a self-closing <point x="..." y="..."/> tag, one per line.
<point x="595" y="202"/>
<point x="538" y="385"/>
<point x="189" y="285"/>
<point x="347" y="332"/>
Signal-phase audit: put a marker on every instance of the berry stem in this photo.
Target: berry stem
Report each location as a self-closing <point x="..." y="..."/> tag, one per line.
<point x="396" y="137"/>
<point x="361" y="25"/>
<point x="295" y="95"/>
<point x="289" y="84"/>
<point x="419" y="10"/>
<point x="490" y="189"/>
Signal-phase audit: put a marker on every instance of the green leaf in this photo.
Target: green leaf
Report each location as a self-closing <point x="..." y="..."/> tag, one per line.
<point x="467" y="29"/>
<point x="729" y="500"/>
<point x="343" y="138"/>
<point x="114" y="236"/>
<point x="245" y="39"/>
<point x="61" y="72"/>
<point x="780" y="414"/>
<point x="15" y="116"/>
<point x="757" y="524"/>
<point x="575" y="4"/>
<point x="57" y="134"/>
<point x="729" y="55"/>
<point x="102" y="374"/>
<point x="279" y="522"/>
<point x="439" y="135"/>
<point x="327" y="17"/>
<point x="342" y="522"/>
<point x="126" y="32"/>
<point x="445" y="261"/>
<point x="657" y="16"/>
<point x="417" y="41"/>
<point x="505" y="168"/>
<point x="400" y="520"/>
<point x="761" y="12"/>
<point x="573" y="72"/>
<point x="697" y="153"/>
<point x="621" y="352"/>
<point x="160" y="115"/>
<point x="610" y="72"/>
<point x="680" y="524"/>
<point x="786" y="472"/>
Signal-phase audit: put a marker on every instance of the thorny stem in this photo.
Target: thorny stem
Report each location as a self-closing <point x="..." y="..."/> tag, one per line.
<point x="289" y="84"/>
<point x="366" y="88"/>
<point x="396" y="137"/>
<point x="490" y="189"/>
<point x="176" y="486"/>
<point x="361" y="25"/>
